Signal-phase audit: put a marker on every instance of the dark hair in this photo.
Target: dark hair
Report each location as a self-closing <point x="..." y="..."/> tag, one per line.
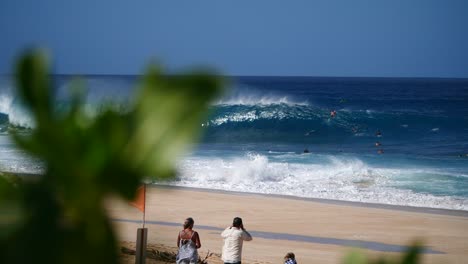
<point x="237" y="222"/>
<point x="189" y="222"/>
<point x="290" y="255"/>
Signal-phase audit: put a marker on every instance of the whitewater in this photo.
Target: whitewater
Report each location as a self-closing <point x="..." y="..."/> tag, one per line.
<point x="392" y="141"/>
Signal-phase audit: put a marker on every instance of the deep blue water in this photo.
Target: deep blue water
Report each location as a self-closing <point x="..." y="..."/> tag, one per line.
<point x="256" y="134"/>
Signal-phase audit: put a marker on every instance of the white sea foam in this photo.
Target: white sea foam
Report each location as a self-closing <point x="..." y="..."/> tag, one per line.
<point x="347" y="179"/>
<point x="14" y="160"/>
<point x="9" y="106"/>
<point x="249" y="116"/>
<point x="266" y="112"/>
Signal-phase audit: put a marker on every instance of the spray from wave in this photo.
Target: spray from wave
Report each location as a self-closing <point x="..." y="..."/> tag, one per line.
<point x="249" y="97"/>
<point x="101" y="94"/>
<point x="15" y="114"/>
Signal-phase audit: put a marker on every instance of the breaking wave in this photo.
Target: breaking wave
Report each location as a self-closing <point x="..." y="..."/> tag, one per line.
<point x="320" y="176"/>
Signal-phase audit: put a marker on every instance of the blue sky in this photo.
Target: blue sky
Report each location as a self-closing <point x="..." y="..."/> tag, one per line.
<point x="375" y="38"/>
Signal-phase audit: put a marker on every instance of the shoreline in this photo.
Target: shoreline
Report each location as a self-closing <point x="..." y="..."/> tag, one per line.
<point x="404" y="208"/>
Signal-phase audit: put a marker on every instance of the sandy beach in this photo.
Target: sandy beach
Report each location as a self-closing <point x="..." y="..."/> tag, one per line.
<point x="317" y="231"/>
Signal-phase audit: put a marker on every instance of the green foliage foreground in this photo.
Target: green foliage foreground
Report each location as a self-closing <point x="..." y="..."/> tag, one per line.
<point x="60" y="217"/>
<point x="411" y="256"/>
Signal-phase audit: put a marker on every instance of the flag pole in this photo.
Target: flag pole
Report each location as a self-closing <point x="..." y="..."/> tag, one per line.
<point x="142" y="233"/>
<point x="144" y="205"/>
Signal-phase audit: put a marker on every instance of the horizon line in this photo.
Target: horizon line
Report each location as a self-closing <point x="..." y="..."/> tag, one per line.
<point x="262" y="76"/>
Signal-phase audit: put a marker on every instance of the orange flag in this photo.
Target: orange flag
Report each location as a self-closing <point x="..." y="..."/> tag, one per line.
<point x="140" y="198"/>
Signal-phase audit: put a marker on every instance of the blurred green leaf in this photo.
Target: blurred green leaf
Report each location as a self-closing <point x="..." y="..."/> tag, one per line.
<point x="355" y="257"/>
<point x="168" y="117"/>
<point x="411" y="256"/>
<point x="11" y="213"/>
<point x="88" y="158"/>
<point x="34" y="84"/>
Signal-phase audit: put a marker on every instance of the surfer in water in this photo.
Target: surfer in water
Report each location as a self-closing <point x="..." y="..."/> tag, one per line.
<point x="378" y="133"/>
<point x="332" y="113"/>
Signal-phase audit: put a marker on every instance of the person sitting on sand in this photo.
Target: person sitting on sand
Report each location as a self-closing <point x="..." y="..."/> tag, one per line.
<point x="188" y="241"/>
<point x="290" y="258"/>
<point x="234" y="236"/>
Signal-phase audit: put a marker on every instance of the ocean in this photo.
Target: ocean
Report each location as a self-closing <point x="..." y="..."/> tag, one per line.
<point x="391" y="141"/>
